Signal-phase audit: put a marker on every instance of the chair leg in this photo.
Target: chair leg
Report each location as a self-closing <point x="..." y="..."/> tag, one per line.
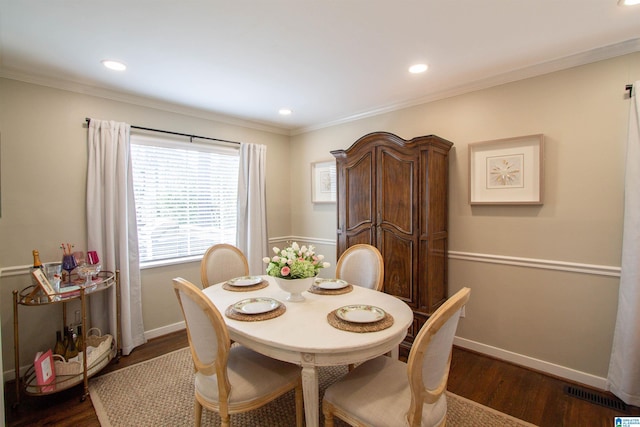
<point x="299" y="406"/>
<point x="198" y="413"/>
<point x="327" y="411"/>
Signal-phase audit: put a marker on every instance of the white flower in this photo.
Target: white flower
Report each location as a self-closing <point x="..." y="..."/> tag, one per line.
<point x="294" y="262"/>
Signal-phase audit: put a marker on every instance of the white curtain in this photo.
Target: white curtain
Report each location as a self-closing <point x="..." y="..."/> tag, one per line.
<point x="112" y="230"/>
<point x="252" y="205"/>
<point x="624" y="368"/>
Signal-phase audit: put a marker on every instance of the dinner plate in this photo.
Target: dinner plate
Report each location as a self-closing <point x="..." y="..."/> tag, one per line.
<point x="360" y="313"/>
<point x="245" y="281"/>
<point x="256" y="305"/>
<point x="331" y="283"/>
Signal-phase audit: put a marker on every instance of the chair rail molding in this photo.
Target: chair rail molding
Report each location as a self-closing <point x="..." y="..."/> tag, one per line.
<point x="573" y="267"/>
<point x="546" y="264"/>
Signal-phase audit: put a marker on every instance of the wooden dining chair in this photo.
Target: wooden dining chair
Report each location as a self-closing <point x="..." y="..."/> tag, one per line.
<point x="230" y="380"/>
<point x="387" y="392"/>
<point x="362" y="265"/>
<point x="222" y="262"/>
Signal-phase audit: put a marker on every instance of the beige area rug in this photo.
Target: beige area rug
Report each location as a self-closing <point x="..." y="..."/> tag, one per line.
<point x="159" y="392"/>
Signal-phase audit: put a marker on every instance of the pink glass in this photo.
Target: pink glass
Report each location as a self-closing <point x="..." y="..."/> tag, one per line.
<point x="92" y="257"/>
<point x="79" y="256"/>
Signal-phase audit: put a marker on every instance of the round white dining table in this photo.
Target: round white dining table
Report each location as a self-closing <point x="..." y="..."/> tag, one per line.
<point x="303" y="335"/>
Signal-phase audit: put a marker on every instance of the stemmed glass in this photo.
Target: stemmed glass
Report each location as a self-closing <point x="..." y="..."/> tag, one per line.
<point x="87" y="271"/>
<point x="68" y="264"/>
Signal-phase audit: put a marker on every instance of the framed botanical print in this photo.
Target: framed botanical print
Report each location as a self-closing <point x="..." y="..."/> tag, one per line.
<point x="507" y="171"/>
<point x="323" y="182"/>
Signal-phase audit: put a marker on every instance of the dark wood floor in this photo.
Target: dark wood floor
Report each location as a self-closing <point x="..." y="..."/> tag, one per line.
<point x="522" y="393"/>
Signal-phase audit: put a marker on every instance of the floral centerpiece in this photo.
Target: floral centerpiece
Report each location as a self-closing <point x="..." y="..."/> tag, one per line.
<point x="295" y="262"/>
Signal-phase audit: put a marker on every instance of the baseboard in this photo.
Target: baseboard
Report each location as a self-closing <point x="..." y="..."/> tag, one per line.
<point x="533" y="363"/>
<point x="498" y="353"/>
<point x="158" y="332"/>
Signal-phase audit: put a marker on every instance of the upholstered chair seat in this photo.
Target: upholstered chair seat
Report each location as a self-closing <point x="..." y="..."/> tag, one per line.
<point x="384" y="392"/>
<point x="230" y="379"/>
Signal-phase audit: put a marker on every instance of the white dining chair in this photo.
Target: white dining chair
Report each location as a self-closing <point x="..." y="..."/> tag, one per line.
<point x="222" y="262"/>
<point x="384" y="392"/>
<point x="230" y="380"/>
<point x="361" y="265"/>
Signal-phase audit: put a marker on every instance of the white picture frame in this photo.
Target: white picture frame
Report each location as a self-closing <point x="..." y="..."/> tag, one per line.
<point x="507" y="171"/>
<point x="43" y="283"/>
<point x="323" y="182"/>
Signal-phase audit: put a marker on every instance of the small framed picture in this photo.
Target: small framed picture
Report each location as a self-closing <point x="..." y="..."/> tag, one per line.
<point x="323" y="182"/>
<point x="43" y="283"/>
<point x="507" y="171"/>
<point x="45" y="371"/>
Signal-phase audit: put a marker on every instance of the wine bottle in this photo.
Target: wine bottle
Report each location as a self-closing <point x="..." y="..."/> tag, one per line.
<point x="37" y="265"/>
<point x="65" y="341"/>
<point x="71" y="350"/>
<point x="80" y="340"/>
<point x="60" y="347"/>
<point x="36" y="260"/>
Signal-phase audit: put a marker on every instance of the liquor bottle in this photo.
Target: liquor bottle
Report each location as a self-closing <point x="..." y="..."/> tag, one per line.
<point x="71" y="350"/>
<point x="79" y="340"/>
<point x="60" y="347"/>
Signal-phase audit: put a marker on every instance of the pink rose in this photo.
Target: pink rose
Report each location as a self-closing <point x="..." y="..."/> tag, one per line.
<point x="285" y="271"/>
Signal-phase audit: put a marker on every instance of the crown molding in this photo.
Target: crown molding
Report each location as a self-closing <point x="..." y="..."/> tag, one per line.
<point x="139" y="101"/>
<point x="563" y="63"/>
<point x="559" y="64"/>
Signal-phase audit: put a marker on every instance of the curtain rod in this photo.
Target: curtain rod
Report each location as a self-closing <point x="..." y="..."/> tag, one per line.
<point x="177" y="133"/>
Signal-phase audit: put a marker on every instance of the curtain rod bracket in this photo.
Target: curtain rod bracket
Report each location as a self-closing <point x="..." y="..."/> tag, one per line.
<point x="629" y="88"/>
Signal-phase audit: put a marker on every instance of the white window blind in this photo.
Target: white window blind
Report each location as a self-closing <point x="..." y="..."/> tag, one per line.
<point x="186" y="197"/>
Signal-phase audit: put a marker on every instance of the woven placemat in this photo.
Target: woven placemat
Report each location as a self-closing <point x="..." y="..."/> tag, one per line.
<point x="229" y="287"/>
<point x="321" y="291"/>
<point x="343" y="325"/>
<point x="232" y="314"/>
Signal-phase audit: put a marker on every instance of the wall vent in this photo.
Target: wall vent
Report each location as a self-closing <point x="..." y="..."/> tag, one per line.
<point x="590" y="396"/>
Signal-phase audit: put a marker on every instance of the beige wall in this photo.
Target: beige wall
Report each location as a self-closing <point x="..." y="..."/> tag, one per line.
<point x="545" y="317"/>
<point x="43" y="155"/>
<point x="551" y="315"/>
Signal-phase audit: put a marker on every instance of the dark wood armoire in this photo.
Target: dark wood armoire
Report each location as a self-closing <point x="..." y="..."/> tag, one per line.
<point x="393" y="194"/>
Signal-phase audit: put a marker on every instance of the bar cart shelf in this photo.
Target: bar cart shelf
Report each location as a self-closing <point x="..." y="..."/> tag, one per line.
<point x="106" y="348"/>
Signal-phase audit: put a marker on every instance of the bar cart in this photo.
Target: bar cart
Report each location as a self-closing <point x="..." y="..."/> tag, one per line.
<point x="85" y="368"/>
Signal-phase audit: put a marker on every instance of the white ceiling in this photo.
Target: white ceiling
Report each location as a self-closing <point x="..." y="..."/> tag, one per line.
<point x="327" y="60"/>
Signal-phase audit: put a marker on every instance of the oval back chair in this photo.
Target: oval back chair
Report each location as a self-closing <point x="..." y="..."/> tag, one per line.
<point x="362" y="265"/>
<point x="222" y="262"/>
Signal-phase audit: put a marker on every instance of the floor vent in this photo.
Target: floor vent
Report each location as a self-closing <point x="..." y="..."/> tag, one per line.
<point x="590" y="396"/>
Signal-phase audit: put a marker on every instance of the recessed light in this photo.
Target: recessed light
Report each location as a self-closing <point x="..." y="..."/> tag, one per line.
<point x="114" y="65"/>
<point x="418" y="68"/>
<point x="285" y="111"/>
<point x="628" y="2"/>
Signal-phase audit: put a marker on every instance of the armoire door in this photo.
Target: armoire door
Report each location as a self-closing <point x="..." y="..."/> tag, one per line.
<point x="397" y="235"/>
<point x="357" y="200"/>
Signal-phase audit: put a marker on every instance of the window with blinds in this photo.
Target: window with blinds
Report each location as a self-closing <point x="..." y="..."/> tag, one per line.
<point x="186" y="197"/>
